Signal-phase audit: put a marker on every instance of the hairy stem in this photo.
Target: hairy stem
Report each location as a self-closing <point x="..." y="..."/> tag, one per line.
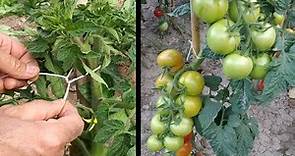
<point x="96" y="87"/>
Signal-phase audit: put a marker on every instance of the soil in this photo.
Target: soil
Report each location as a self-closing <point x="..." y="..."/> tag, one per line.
<point x="276" y="121"/>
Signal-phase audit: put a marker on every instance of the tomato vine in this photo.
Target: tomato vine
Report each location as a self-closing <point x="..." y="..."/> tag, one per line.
<point x="262" y="54"/>
<point x="93" y="44"/>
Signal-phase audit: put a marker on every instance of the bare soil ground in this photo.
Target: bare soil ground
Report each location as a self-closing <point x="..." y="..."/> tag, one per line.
<point x="276" y="121"/>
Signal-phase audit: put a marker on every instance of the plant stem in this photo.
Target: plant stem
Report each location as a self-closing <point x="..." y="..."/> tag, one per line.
<point x="82" y="146"/>
<point x="195" y="31"/>
<point x="96" y="87"/>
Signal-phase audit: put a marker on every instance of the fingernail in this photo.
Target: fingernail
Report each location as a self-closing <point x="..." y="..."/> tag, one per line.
<point x="32" y="69"/>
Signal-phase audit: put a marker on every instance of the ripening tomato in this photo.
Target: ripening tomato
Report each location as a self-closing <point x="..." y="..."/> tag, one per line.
<point x="210" y="10"/>
<point x="188" y="138"/>
<point x="158" y="12"/>
<point x="183" y="128"/>
<point x="157" y="126"/>
<point x="170" y="58"/>
<point x="250" y="13"/>
<point x="260" y="85"/>
<point x="236" y="66"/>
<point x="173" y="143"/>
<point x="264" y="39"/>
<point x="193" y="82"/>
<point x="191" y="104"/>
<point x="278" y="19"/>
<point x="163" y="80"/>
<point x="185" y="150"/>
<point x="154" y="144"/>
<point x="163" y="26"/>
<point x="220" y="40"/>
<point x="261" y="63"/>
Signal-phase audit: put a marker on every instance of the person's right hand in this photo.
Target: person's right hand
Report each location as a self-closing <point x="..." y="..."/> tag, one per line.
<point x="31" y="129"/>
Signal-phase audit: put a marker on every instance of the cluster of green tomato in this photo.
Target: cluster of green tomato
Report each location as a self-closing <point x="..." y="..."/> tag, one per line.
<point x="221" y="40"/>
<point x="185" y="95"/>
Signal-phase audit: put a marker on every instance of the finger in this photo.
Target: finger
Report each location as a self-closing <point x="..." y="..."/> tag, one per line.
<point x="28" y="58"/>
<point x="2" y="89"/>
<point x="69" y="125"/>
<point x="16" y="68"/>
<point x="11" y="83"/>
<point x="10" y="46"/>
<point x="36" y="110"/>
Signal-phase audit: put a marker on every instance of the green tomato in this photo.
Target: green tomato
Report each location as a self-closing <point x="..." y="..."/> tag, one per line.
<point x="236" y="66"/>
<point x="193" y="82"/>
<point x="278" y="19"/>
<point x="173" y="143"/>
<point x="221" y="41"/>
<point x="183" y="128"/>
<point x="163" y="80"/>
<point x="154" y="144"/>
<point x="210" y="10"/>
<point x="191" y="104"/>
<point x="163" y="26"/>
<point x="250" y="14"/>
<point x="264" y="39"/>
<point x="260" y="66"/>
<point x="157" y="126"/>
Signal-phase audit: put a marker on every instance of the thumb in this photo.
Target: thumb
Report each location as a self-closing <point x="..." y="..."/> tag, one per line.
<point x="16" y="68"/>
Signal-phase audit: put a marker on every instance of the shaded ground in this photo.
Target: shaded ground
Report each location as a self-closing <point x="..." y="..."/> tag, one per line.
<point x="276" y="122"/>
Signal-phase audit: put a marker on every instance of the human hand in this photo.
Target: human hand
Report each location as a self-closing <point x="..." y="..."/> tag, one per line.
<point x="17" y="63"/>
<point x="31" y="129"/>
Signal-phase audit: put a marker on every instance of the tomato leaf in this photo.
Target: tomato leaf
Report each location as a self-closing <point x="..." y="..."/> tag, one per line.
<point x="120" y="145"/>
<point x="207" y="53"/>
<point x="180" y="10"/>
<point x="108" y="129"/>
<point x="281" y="74"/>
<point x="95" y="76"/>
<point x="242" y="96"/>
<point x="222" y="139"/>
<point x="41" y="87"/>
<point x="212" y="82"/>
<point x="245" y="137"/>
<point x="57" y="85"/>
<point x="208" y="113"/>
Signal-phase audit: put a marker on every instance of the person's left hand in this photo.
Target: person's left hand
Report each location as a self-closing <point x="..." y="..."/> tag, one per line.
<point x="16" y="64"/>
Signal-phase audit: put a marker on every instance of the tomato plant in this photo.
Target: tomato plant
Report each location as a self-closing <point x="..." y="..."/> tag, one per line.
<point x="260" y="69"/>
<point x="218" y="9"/>
<point x="154" y="144"/>
<point x="163" y="26"/>
<point x="158" y="12"/>
<point x="250" y="11"/>
<point x="193" y="82"/>
<point x="260" y="85"/>
<point x="173" y="143"/>
<point x="185" y="150"/>
<point x="236" y="66"/>
<point x="220" y="40"/>
<point x="170" y="58"/>
<point x="191" y="104"/>
<point x="183" y="128"/>
<point x="264" y="38"/>
<point x="82" y="49"/>
<point x="157" y="126"/>
<point x="254" y="41"/>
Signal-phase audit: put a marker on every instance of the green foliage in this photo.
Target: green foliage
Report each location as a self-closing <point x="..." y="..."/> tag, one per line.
<point x="180" y="10"/>
<point x="82" y="37"/>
